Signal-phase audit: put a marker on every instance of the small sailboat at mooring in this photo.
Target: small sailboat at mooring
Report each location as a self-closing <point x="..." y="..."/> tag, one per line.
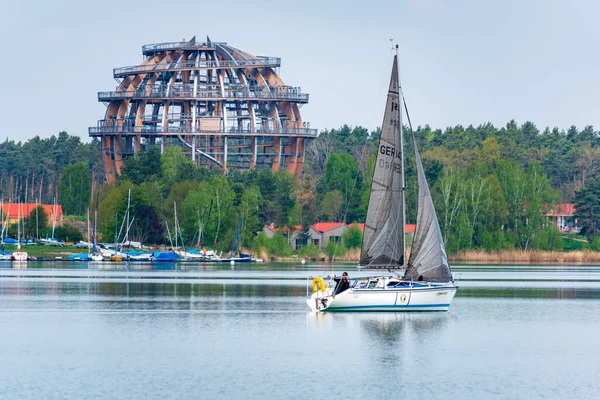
<point x="427" y="283"/>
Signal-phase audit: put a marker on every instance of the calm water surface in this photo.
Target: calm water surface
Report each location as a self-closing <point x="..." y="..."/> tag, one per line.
<point x="118" y="331"/>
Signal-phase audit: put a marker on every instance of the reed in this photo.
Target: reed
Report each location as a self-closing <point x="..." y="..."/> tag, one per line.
<point x="528" y="256"/>
<point x="351" y="255"/>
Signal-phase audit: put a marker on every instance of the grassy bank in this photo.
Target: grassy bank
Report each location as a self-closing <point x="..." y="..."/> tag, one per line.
<point x="46" y="251"/>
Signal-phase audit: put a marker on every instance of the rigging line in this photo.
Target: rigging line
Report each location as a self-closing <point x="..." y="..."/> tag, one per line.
<point x="408" y="116"/>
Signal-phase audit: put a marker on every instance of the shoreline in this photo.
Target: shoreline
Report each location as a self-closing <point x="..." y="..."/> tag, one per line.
<point x="576" y="257"/>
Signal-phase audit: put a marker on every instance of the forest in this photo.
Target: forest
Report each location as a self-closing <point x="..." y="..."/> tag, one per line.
<point x="491" y="186"/>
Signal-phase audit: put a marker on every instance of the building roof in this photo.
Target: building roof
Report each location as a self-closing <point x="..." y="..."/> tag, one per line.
<point x="23" y="210"/>
<point x="326" y="226"/>
<point x="561" y="210"/>
<point x="271" y="228"/>
<point x="285" y="230"/>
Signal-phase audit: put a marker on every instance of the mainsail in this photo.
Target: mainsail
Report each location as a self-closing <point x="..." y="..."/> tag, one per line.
<point x="428" y="260"/>
<point x="383" y="238"/>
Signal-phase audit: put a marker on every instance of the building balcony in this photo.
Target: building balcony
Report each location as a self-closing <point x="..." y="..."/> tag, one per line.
<point x="150" y="130"/>
<point x="150" y="49"/>
<point x="186" y="92"/>
<point x="263" y="62"/>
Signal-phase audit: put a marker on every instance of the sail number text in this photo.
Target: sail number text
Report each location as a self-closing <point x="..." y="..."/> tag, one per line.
<point x="387" y="165"/>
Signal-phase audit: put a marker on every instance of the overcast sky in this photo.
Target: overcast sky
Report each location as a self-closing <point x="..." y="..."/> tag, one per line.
<point x="462" y="62"/>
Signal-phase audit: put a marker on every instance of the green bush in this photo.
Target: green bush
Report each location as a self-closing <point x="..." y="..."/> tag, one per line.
<point x="67" y="233"/>
<point x="334" y="249"/>
<point x="548" y="238"/>
<point x="352" y="238"/>
<point x="595" y="244"/>
<point x="311" y="251"/>
<point x="279" y="246"/>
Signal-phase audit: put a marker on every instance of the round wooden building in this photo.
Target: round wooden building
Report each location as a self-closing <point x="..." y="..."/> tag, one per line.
<point x="225" y="107"/>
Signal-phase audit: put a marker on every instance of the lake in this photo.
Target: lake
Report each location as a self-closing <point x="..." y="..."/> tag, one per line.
<point x="200" y="331"/>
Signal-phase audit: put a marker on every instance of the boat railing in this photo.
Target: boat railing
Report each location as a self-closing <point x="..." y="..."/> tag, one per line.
<point x="320" y="294"/>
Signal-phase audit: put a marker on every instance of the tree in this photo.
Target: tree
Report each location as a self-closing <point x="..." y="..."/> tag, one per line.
<point x="332" y="205"/>
<point x="587" y="206"/>
<point x="75" y="189"/>
<point x="352" y="237"/>
<point x="342" y="174"/>
<point x="249" y="211"/>
<point x="36" y="224"/>
<point x="172" y="163"/>
<point x="145" y="166"/>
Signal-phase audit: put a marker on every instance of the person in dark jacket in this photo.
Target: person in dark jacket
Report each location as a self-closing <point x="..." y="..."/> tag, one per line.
<point x="342" y="284"/>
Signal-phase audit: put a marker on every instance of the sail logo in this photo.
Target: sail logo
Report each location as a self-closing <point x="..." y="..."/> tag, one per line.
<point x="403" y="298"/>
<point x="441" y="293"/>
<point x="389" y="151"/>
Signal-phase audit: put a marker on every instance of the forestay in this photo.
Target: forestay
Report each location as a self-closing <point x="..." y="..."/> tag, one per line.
<point x="383" y="238"/>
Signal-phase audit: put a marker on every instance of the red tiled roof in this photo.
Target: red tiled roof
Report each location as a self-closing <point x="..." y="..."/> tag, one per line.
<point x="283" y="229"/>
<point x="326" y="226"/>
<point x="563" y="210"/>
<point x="23" y="210"/>
<point x="271" y="228"/>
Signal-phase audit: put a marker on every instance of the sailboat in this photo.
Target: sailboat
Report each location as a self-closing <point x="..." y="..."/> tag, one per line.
<point x="244" y="258"/>
<point x="19" y="255"/>
<point x="4" y="255"/>
<point x="96" y="255"/>
<point x="427" y="283"/>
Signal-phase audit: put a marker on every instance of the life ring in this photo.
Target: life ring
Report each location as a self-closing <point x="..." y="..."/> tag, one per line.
<point x="318" y="284"/>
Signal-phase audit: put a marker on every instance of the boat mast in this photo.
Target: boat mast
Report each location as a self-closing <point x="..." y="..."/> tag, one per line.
<point x="402" y="165"/>
<point x="127" y="227"/>
<point x="18" y="223"/>
<point x="37" y="224"/>
<point x="95" y="233"/>
<point x="54" y="217"/>
<point x="88" y="231"/>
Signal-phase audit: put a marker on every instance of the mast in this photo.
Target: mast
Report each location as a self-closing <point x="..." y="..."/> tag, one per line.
<point x="37" y="225"/>
<point x="95" y="249"/>
<point x="402" y="165"/>
<point x="127" y="227"/>
<point x="19" y="223"/>
<point x="53" y="217"/>
<point x="116" y="237"/>
<point x="88" y="231"/>
<point x="175" y="211"/>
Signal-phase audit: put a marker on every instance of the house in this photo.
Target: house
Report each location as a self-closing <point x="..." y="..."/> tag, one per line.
<point x="329" y="231"/>
<point x="563" y="217"/>
<point x="294" y="237"/>
<point x="16" y="211"/>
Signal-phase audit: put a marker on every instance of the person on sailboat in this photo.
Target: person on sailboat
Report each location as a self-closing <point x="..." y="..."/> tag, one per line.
<point x="342" y="284"/>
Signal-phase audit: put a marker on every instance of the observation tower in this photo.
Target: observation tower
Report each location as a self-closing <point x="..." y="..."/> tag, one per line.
<point x="223" y="106"/>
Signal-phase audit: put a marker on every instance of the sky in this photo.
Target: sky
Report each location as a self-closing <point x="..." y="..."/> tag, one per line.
<point x="464" y="62"/>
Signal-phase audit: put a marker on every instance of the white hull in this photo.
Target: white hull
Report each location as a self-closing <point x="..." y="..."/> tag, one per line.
<point x="96" y="257"/>
<point x="19" y="256"/>
<point x="208" y="257"/>
<point x="411" y="296"/>
<point x="107" y="253"/>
